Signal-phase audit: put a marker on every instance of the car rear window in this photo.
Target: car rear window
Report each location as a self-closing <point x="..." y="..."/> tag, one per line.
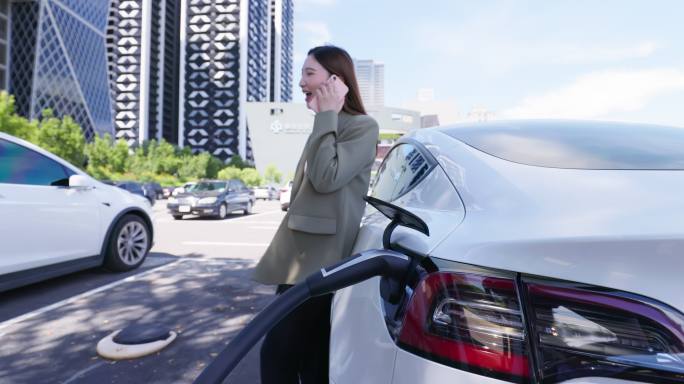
<point x="577" y="145"/>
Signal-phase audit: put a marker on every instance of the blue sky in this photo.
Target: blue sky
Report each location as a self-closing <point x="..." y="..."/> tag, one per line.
<point x="609" y="59"/>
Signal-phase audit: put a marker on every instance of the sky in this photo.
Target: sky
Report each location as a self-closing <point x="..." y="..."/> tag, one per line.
<point x="619" y="60"/>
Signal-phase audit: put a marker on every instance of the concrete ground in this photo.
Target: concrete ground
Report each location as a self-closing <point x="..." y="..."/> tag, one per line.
<point x="196" y="281"/>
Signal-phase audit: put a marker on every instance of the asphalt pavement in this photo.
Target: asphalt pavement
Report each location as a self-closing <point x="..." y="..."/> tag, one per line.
<point x="196" y="281"/>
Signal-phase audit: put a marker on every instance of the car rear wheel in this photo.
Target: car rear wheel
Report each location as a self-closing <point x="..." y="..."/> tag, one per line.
<point x="223" y="212"/>
<point x="128" y="244"/>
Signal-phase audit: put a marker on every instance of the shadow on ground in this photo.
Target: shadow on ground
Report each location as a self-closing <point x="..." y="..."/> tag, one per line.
<point x="206" y="301"/>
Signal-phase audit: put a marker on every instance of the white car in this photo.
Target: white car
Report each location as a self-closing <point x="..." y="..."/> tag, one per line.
<point x="266" y="192"/>
<point x="183" y="188"/>
<point x="555" y="255"/>
<point x="55" y="219"/>
<point x="285" y="196"/>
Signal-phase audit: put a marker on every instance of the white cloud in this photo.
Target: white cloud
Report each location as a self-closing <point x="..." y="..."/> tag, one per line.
<point x="315" y="32"/>
<point x="487" y="42"/>
<point x="599" y="94"/>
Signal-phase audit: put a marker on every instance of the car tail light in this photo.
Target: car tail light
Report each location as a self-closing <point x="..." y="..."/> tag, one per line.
<point x="520" y="329"/>
<point x="470" y="322"/>
<point x="589" y="332"/>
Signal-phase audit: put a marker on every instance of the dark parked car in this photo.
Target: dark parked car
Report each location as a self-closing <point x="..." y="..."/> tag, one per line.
<point x="215" y="198"/>
<point x="154" y="189"/>
<point x="135" y="188"/>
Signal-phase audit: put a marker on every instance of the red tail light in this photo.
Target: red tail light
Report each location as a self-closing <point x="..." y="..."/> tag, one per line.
<point x="538" y="330"/>
<point x="470" y="322"/>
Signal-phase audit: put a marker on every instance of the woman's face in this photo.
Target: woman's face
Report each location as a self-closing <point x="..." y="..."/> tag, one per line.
<point x="313" y="75"/>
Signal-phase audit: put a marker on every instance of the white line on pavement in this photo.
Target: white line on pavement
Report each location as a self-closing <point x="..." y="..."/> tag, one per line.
<point x="223" y="243"/>
<point x="271" y="228"/>
<point x="70" y="300"/>
<point x="80" y="374"/>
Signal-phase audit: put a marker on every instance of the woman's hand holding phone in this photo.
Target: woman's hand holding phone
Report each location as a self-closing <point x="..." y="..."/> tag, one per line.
<point x="330" y="95"/>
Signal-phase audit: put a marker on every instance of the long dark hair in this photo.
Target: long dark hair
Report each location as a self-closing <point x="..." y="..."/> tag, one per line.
<point x="338" y="62"/>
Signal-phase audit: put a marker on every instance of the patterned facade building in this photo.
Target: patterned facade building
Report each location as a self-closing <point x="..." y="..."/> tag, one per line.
<point x="224" y="64"/>
<point x="143" y="59"/>
<point x="181" y="70"/>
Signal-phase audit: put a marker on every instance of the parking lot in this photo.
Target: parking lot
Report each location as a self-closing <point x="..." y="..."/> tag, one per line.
<point x="195" y="281"/>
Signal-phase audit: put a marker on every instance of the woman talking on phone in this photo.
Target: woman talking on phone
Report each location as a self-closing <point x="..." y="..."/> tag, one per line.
<point x="326" y="206"/>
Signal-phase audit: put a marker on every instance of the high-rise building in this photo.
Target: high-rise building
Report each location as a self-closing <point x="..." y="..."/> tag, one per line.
<point x="4" y="42"/>
<point x="58" y="61"/>
<point x="143" y="55"/>
<point x="181" y="70"/>
<point x="224" y="64"/>
<point x="371" y="78"/>
<point x="280" y="55"/>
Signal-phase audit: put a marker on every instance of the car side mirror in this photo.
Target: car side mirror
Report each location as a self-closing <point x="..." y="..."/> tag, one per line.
<point x="80" y="181"/>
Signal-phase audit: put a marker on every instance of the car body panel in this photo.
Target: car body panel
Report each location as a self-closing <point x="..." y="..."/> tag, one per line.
<point x="359" y="336"/>
<point x="619" y="229"/>
<point x="601" y="227"/>
<point x="57" y="226"/>
<point x="30" y="212"/>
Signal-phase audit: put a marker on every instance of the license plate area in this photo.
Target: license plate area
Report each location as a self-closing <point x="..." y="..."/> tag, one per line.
<point x="184" y="208"/>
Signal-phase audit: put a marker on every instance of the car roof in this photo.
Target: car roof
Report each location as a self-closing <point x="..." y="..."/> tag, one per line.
<point x="575" y="144"/>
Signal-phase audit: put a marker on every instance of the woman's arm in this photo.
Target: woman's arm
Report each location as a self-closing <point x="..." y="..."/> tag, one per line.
<point x="333" y="160"/>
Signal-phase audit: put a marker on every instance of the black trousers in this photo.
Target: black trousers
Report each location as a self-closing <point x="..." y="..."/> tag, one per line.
<point x="296" y="349"/>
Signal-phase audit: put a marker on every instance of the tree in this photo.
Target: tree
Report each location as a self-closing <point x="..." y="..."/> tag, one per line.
<point x="229" y="173"/>
<point x="118" y="156"/>
<point x="237" y="162"/>
<point x="251" y="177"/>
<point x="272" y="174"/>
<point x="63" y="137"/>
<point x="12" y="123"/>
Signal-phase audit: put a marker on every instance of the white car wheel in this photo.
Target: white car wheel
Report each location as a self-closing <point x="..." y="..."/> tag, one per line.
<point x="128" y="244"/>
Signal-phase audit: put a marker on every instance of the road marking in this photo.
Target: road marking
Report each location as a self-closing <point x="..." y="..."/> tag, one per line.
<point x="70" y="300"/>
<point x="80" y="374"/>
<point x="269" y="228"/>
<point x="162" y="219"/>
<point x="259" y="222"/>
<point x="227" y="244"/>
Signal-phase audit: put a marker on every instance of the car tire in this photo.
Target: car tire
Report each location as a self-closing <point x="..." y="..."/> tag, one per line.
<point x="178" y="217"/>
<point x="223" y="212"/>
<point x="128" y="244"/>
<point x="248" y="208"/>
<point x="283" y="208"/>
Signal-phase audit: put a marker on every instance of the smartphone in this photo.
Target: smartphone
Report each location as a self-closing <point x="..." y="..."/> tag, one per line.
<point x="339" y="86"/>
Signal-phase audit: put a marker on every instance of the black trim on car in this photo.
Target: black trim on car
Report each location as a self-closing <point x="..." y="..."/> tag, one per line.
<point x="34" y="275"/>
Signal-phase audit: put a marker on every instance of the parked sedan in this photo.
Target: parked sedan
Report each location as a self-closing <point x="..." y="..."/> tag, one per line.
<point x="554" y="255"/>
<point x="56" y="219"/>
<point x="214" y="198"/>
<point x="136" y="189"/>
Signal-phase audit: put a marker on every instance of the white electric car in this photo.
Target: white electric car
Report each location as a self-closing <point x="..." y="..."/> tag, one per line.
<point x="555" y="255"/>
<point x="55" y="219"/>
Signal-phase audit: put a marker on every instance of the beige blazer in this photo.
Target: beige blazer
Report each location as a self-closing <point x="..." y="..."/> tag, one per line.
<point x="326" y="202"/>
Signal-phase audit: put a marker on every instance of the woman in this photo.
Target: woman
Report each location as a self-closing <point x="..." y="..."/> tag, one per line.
<point x="326" y="205"/>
